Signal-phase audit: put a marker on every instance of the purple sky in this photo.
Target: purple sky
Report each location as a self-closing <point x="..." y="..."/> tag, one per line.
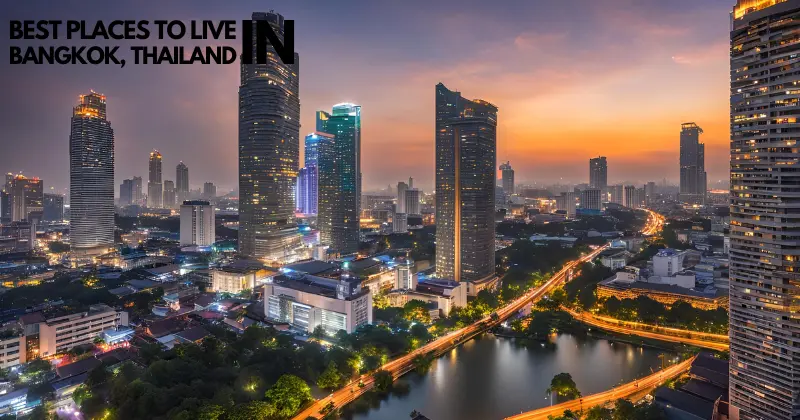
<point x="572" y="79"/>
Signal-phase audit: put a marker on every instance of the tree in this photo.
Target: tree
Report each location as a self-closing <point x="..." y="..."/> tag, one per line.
<point x="318" y="333"/>
<point x="97" y="376"/>
<point x="598" y="412"/>
<point x="289" y="394"/>
<point x="253" y="410"/>
<point x="210" y="412"/>
<point x="80" y="394"/>
<point x="330" y="378"/>
<point x="623" y="410"/>
<point x="564" y="386"/>
<point x="383" y="380"/>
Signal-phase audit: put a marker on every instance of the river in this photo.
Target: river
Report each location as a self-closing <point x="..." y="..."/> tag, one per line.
<point x="491" y="378"/>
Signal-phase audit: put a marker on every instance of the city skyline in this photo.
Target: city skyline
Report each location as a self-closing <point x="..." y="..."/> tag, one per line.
<point x="694" y="55"/>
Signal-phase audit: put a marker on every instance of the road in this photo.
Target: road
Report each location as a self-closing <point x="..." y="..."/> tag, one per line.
<point x="639" y="386"/>
<point x="673" y="335"/>
<point x="404" y="364"/>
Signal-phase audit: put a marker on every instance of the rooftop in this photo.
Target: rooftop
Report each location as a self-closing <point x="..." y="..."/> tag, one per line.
<point x="685" y="402"/>
<point x="312" y="267"/>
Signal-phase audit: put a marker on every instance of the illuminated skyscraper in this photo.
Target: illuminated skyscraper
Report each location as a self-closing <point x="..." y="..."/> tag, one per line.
<point x="155" y="189"/>
<point x="765" y="210"/>
<point x="91" y="177"/>
<point x="507" y="174"/>
<point x="269" y="148"/>
<point x="181" y="183"/>
<point x="340" y="171"/>
<point x="466" y="145"/>
<point x="307" y="181"/>
<point x="693" y="166"/>
<point x="598" y="173"/>
<point x="27" y="196"/>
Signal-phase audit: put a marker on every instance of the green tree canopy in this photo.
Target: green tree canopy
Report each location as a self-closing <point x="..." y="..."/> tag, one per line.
<point x="289" y="394"/>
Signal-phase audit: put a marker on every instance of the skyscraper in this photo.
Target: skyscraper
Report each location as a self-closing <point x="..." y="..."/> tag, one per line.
<point x="764" y="325"/>
<point x="591" y="199"/>
<point x="209" y="191"/>
<point x="197" y="223"/>
<point x="269" y="148"/>
<point x="413" y="206"/>
<point x="169" y="194"/>
<point x="598" y="173"/>
<point x="126" y="193"/>
<point x="466" y="146"/>
<point x="53" y="208"/>
<point x="693" y="167"/>
<point x="340" y="169"/>
<point x="307" y="187"/>
<point x="91" y="177"/>
<point x="402" y="187"/>
<point x="507" y="174"/>
<point x="155" y="189"/>
<point x="26" y="196"/>
<point x="137" y="191"/>
<point x="181" y="183"/>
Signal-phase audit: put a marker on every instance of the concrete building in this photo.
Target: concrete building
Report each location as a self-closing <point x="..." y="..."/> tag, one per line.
<point x="17" y="237"/>
<point x="693" y="183"/>
<point x="402" y="187"/>
<point x="26" y="196"/>
<point x="126" y="193"/>
<point x="629" y="198"/>
<point x="340" y="178"/>
<point x="240" y="276"/>
<point x="209" y="191"/>
<point x="169" y="194"/>
<point x="466" y="158"/>
<point x="91" y="177"/>
<point x="181" y="183"/>
<point x="12" y="348"/>
<point x="306" y="302"/>
<point x="138" y="197"/>
<point x="53" y="208"/>
<point x="269" y="152"/>
<point x="413" y="205"/>
<point x="443" y="295"/>
<point x="155" y="188"/>
<point x="667" y="262"/>
<point x="764" y="210"/>
<point x="406" y="277"/>
<point x="198" y="223"/>
<point x="399" y="221"/>
<point x="507" y="178"/>
<point x="50" y="334"/>
<point x="591" y="199"/>
<point x="567" y="201"/>
<point x="598" y="173"/>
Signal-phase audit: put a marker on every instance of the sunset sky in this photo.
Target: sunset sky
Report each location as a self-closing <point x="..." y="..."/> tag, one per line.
<point x="572" y="79"/>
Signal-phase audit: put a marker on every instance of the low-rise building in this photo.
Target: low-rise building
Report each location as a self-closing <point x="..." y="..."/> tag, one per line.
<point x="306" y="302"/>
<point x="240" y="276"/>
<point x="12" y="348"/>
<point x="445" y="294"/>
<point x="543" y="240"/>
<point x="667" y="294"/>
<point x="52" y="333"/>
<point x="667" y="262"/>
<point x="615" y="258"/>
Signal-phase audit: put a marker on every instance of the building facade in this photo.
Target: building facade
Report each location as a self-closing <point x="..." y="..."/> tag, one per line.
<point x="53" y="334"/>
<point x="198" y="225"/>
<point x="26" y="196"/>
<point x="155" y="188"/>
<point x="269" y="152"/>
<point x="308" y="181"/>
<point x="466" y="146"/>
<point x="598" y="173"/>
<point x="507" y="178"/>
<point x="91" y="176"/>
<point x="591" y="199"/>
<point x="169" y="194"/>
<point x="765" y="184"/>
<point x="181" y="183"/>
<point x="340" y="177"/>
<point x="693" y="184"/>
<point x="53" y="208"/>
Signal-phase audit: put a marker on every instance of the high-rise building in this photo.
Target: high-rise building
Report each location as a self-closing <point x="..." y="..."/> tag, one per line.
<point x="5" y="207"/>
<point x="53" y="208"/>
<point x="567" y="201"/>
<point x="629" y="196"/>
<point x="413" y="197"/>
<point x="181" y="182"/>
<point x="650" y="192"/>
<point x="591" y="199"/>
<point x="466" y="150"/>
<point x="507" y="174"/>
<point x="269" y="152"/>
<point x="402" y="187"/>
<point x="26" y="196"/>
<point x="764" y="185"/>
<point x="126" y="193"/>
<point x="91" y="177"/>
<point x="137" y="191"/>
<point x="617" y="194"/>
<point x="598" y="173"/>
<point x="169" y="194"/>
<point x="209" y="191"/>
<point x="340" y="170"/>
<point x="307" y="182"/>
<point x="155" y="189"/>
<point x="692" y="163"/>
<point x="399" y="220"/>
<point x="197" y="223"/>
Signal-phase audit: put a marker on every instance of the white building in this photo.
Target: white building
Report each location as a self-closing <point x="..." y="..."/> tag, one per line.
<point x="406" y="277"/>
<point x="306" y="302"/>
<point x="668" y="262"/>
<point x="60" y="333"/>
<point x="412" y="196"/>
<point x="197" y="223"/>
<point x="12" y="349"/>
<point x="444" y="295"/>
<point x="240" y="276"/>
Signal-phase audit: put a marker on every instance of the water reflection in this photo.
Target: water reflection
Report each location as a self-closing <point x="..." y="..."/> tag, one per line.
<point x="491" y="378"/>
